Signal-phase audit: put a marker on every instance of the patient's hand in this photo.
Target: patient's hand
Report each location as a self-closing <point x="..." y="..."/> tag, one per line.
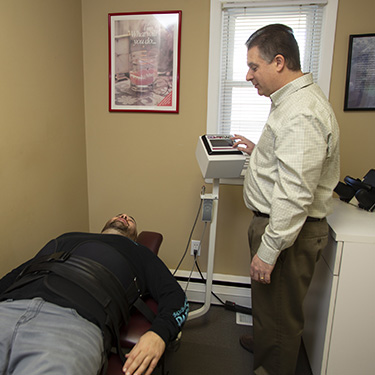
<point x="145" y="355"/>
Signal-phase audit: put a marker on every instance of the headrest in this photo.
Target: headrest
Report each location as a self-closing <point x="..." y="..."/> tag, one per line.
<point x="363" y="190"/>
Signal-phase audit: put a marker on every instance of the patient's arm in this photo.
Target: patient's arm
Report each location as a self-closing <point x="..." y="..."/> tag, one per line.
<point x="145" y="355"/>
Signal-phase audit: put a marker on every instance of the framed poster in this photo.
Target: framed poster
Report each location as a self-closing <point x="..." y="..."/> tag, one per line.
<point x="360" y="75"/>
<point x="144" y="61"/>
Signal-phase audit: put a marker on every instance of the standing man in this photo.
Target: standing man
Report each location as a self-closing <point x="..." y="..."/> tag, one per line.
<point x="288" y="185"/>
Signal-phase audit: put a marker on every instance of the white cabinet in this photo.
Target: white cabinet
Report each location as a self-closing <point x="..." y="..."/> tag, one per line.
<point x="339" y="333"/>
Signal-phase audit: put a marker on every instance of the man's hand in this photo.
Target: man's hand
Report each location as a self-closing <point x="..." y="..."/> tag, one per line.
<point x="240" y="140"/>
<point x="145" y="355"/>
<point x="260" y="271"/>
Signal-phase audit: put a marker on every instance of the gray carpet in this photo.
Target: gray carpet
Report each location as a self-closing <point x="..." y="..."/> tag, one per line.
<point x="210" y="345"/>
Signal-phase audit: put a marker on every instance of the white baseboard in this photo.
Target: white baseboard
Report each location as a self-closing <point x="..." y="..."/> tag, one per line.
<point x="227" y="287"/>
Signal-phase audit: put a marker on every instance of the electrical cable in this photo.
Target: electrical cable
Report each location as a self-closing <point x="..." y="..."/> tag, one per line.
<point x="202" y="277"/>
<point x="228" y="304"/>
<point x="195" y="257"/>
<point x="191" y="272"/>
<point x="195" y="263"/>
<point x="191" y="234"/>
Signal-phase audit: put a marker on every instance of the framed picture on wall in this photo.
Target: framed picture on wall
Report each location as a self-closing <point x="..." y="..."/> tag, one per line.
<point x="144" y="61"/>
<point x="360" y="76"/>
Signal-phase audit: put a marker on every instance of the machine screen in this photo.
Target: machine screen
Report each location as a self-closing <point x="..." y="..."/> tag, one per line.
<point x="221" y="142"/>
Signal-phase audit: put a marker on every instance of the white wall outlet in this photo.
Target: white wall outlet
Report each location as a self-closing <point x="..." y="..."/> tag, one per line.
<point x="195" y="246"/>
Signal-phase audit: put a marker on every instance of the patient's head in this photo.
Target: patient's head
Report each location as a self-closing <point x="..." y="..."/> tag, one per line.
<point x="122" y="224"/>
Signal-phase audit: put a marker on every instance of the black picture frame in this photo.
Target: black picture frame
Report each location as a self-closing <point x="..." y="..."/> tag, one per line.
<point x="360" y="75"/>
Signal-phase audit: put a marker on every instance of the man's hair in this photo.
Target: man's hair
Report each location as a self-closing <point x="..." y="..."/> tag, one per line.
<point x="276" y="39"/>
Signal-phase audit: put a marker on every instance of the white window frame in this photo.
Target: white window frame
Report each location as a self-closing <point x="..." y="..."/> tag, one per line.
<point x="324" y="80"/>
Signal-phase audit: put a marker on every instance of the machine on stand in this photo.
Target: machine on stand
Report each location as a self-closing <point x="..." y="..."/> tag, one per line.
<point x="217" y="159"/>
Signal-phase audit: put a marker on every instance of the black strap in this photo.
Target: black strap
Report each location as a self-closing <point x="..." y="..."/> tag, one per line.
<point x="91" y="276"/>
<point x="95" y="279"/>
<point x="134" y="294"/>
<point x="144" y="309"/>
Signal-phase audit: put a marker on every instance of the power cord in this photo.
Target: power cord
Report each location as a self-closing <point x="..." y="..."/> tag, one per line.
<point x="202" y="277"/>
<point x="188" y="242"/>
<point x="227" y="304"/>
<point x="196" y="257"/>
<point x="191" y="272"/>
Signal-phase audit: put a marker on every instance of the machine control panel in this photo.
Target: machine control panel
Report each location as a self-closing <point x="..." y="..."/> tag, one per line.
<point x="219" y="144"/>
<point x="217" y="158"/>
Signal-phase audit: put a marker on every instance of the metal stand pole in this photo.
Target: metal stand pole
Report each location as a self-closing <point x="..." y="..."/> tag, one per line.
<point x="211" y="253"/>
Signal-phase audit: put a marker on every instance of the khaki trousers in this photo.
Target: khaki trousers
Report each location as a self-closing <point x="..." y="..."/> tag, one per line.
<point x="278" y="318"/>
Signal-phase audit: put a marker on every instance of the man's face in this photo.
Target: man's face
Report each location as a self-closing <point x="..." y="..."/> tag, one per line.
<point x="124" y="224"/>
<point x="261" y="73"/>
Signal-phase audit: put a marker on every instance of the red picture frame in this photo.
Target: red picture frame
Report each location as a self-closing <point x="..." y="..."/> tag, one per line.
<point x="144" y="61"/>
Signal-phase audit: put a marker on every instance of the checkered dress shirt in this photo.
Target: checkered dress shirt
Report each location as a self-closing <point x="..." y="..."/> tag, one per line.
<point x="295" y="165"/>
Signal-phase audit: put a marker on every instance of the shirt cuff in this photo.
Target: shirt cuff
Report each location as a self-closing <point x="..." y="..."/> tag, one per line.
<point x="267" y="255"/>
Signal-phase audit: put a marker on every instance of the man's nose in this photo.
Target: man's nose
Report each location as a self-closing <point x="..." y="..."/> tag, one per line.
<point x="249" y="75"/>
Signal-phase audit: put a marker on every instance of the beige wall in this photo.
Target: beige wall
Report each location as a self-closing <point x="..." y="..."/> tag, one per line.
<point x="145" y="163"/>
<point x="357" y="128"/>
<point x="42" y="141"/>
<point x="142" y="163"/>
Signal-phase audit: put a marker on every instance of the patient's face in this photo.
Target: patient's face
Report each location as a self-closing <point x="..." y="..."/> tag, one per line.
<point x="124" y="224"/>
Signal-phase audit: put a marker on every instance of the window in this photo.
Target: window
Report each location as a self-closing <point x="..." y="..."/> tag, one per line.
<point x="242" y="110"/>
<point x="234" y="106"/>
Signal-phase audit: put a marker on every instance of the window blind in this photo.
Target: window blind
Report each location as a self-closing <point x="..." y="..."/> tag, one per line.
<point x="241" y="109"/>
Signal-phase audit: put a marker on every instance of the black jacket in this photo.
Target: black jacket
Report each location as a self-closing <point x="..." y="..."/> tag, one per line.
<point x="110" y="250"/>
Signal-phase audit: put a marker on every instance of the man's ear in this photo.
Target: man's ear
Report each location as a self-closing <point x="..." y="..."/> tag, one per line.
<point x="280" y="62"/>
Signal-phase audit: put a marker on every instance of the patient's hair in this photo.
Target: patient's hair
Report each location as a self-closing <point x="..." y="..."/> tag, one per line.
<point x="276" y="39"/>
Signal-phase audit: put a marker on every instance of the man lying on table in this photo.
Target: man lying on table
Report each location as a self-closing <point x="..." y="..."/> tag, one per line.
<point x="61" y="311"/>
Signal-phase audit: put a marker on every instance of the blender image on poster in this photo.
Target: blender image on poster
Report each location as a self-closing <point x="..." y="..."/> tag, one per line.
<point x="143" y="69"/>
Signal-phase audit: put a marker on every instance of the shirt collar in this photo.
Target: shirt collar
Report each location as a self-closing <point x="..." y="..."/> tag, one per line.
<point x="291" y="87"/>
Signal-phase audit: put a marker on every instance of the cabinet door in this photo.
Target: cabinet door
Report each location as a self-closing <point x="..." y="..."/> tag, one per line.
<point x="352" y="348"/>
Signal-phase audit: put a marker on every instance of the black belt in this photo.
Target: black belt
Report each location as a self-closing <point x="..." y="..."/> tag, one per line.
<point x="308" y="219"/>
